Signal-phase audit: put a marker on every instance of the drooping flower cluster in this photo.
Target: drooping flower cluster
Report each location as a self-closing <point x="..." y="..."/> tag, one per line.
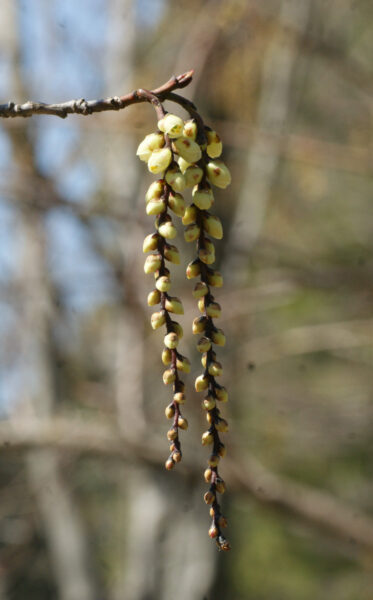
<point x="187" y="154"/>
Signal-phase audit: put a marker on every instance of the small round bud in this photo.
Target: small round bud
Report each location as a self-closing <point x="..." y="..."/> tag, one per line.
<point x="170" y="411"/>
<point x="163" y="283"/>
<point x="172" y="125"/>
<point x="201" y="383"/>
<point x="183" y="364"/>
<point x="155" y="190"/>
<point x="222" y="450"/>
<point x="220" y="485"/>
<point x="159" y="160"/>
<point x="169" y="464"/>
<point x="166" y="357"/>
<point x="213" y="460"/>
<point x="177" y="204"/>
<point x="174" y="305"/>
<point x="171" y="253"/>
<point x="172" y="434"/>
<point x="158" y="319"/>
<point x="204" y="358"/>
<point x="171" y="340"/>
<point x="193" y="269"/>
<point x="150" y="242"/>
<point x="221" y="426"/>
<point x="179" y="397"/>
<point x="190" y="129"/>
<point x="204" y="344"/>
<point x="212" y="225"/>
<point x="215" y="279"/>
<point x="201" y="304"/>
<point x="206" y="256"/>
<point x="192" y="232"/>
<point x="176" y="456"/>
<point x="169" y="376"/>
<point x="213" y="531"/>
<point x="152" y="263"/>
<point x="151" y="142"/>
<point x="183" y="164"/>
<point x="155" y="207"/>
<point x="177" y="328"/>
<point x="187" y="149"/>
<point x="214" y="145"/>
<point x="193" y="175"/>
<point x="175" y="178"/>
<point x="200" y="289"/>
<point x="208" y="475"/>
<point x="218" y="337"/>
<point x="199" y="325"/>
<point x="209" y="497"/>
<point x="208" y="403"/>
<point x="218" y="173"/>
<point x="213" y="310"/>
<point x="154" y="297"/>
<point x="209" y="418"/>
<point x="221" y="394"/>
<point x="190" y="215"/>
<point x="167" y="229"/>
<point x="207" y="438"/>
<point x="203" y="198"/>
<point x="182" y="423"/>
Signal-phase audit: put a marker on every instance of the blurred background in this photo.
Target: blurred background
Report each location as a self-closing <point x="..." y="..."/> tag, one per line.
<point x="87" y="511"/>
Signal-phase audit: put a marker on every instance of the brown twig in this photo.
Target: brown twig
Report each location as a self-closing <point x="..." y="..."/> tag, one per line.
<point x="87" y="107"/>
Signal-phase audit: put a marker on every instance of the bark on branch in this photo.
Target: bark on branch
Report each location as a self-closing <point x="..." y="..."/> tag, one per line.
<point x="87" y="107"/>
<point x="315" y="507"/>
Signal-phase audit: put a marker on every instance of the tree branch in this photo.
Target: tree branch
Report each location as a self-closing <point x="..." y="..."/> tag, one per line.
<point x="87" y="107"/>
<point x="317" y="508"/>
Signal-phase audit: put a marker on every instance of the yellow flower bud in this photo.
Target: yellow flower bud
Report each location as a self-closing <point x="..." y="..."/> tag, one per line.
<point x="221" y="394"/>
<point x="207" y="254"/>
<point x="159" y="160"/>
<point x="200" y="289"/>
<point x="192" y="232"/>
<point x="183" y="164"/>
<point x="158" y="319"/>
<point x="207" y="438"/>
<point x="212" y="512"/>
<point x="151" y="142"/>
<point x="187" y="149"/>
<point x="190" y="129"/>
<point x="214" y="145"/>
<point x="163" y="283"/>
<point x="152" y="263"/>
<point x="223" y="522"/>
<point x="176" y="455"/>
<point x="209" y="403"/>
<point x="193" y="175"/>
<point x="166" y="357"/>
<point x="171" y="253"/>
<point x="204" y="344"/>
<point x="222" y="426"/>
<point x="199" y="325"/>
<point x="155" y="207"/>
<point x="213" y="310"/>
<point x="182" y="423"/>
<point x="179" y="397"/>
<point x="175" y="178"/>
<point x="209" y="497"/>
<point x="169" y="464"/>
<point x="204" y="358"/>
<point x="190" y="215"/>
<point x="183" y="364"/>
<point x="213" y="460"/>
<point x="154" y="297"/>
<point x="209" y="418"/>
<point x="218" y="337"/>
<point x="203" y="198"/>
<point x="171" y="340"/>
<point x="169" y="376"/>
<point x="222" y="450"/>
<point x="220" y="486"/>
<point x="170" y="411"/>
<point x="172" y="434"/>
<point x="174" y="305"/>
<point x="150" y="242"/>
<point x="201" y="304"/>
<point x="172" y="125"/>
<point x="218" y="173"/>
<point x="213" y="531"/>
<point x="212" y="225"/>
<point x="155" y="190"/>
<point x="167" y="229"/>
<point x="201" y="383"/>
<point x="215" y="279"/>
<point x="177" y="204"/>
<point x="177" y="328"/>
<point x="215" y="369"/>
<point x="208" y="475"/>
<point x="193" y="269"/>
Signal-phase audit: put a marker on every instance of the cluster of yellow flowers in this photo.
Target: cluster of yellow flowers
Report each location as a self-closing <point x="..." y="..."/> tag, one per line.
<point x="187" y="155"/>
